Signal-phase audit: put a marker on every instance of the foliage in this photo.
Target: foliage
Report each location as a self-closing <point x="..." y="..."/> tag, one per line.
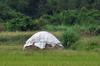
<point x="18" y="37"/>
<point x="19" y="24"/>
<point x="97" y="31"/>
<point x="14" y="37"/>
<point x="50" y="12"/>
<point x="55" y="28"/>
<point x="69" y="38"/>
<point x="2" y="28"/>
<point x="86" y="43"/>
<point x="73" y="17"/>
<point x="6" y="13"/>
<point x="38" y="24"/>
<point x="80" y="42"/>
<point x="36" y="8"/>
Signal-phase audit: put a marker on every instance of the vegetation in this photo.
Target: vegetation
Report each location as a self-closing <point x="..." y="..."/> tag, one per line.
<point x="11" y="52"/>
<point x="13" y="38"/>
<point x="87" y="43"/>
<point x="19" y="24"/>
<point x="76" y="23"/>
<point x="37" y="14"/>
<point x="13" y="55"/>
<point x="70" y="39"/>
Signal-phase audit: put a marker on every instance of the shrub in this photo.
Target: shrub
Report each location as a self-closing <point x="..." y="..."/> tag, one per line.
<point x="88" y="30"/>
<point x="90" y="43"/>
<point x="49" y="27"/>
<point x="55" y="27"/>
<point x="38" y="24"/>
<point x="97" y="30"/>
<point x="2" y="27"/>
<point x="69" y="37"/>
<point x="19" y="24"/>
<point x="92" y="29"/>
<point x="65" y="17"/>
<point x="14" y="37"/>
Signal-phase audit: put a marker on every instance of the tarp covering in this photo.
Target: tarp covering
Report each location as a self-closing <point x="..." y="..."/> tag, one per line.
<point x="40" y="39"/>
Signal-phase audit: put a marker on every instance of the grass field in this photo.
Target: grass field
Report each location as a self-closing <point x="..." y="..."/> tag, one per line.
<point x="13" y="55"/>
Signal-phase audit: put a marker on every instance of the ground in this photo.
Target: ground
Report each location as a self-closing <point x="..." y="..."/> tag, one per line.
<point x="13" y="55"/>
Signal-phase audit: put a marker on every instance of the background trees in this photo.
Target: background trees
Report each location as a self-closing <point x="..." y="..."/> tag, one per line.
<point x="55" y="12"/>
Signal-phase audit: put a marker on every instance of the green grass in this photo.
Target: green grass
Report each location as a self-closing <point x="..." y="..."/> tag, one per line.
<point x="88" y="44"/>
<point x="13" y="55"/>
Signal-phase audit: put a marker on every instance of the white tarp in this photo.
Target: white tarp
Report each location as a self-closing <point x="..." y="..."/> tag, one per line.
<point x="40" y="39"/>
<point x="40" y="45"/>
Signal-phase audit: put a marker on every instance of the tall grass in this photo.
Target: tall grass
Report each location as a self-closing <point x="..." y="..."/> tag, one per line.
<point x="69" y="37"/>
<point x="87" y="43"/>
<point x="18" y="37"/>
<point x="55" y="27"/>
<point x="14" y="37"/>
<point x="69" y="40"/>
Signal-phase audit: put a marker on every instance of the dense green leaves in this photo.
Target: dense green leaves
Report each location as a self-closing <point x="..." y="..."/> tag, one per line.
<point x="44" y="12"/>
<point x="19" y="24"/>
<point x="69" y="38"/>
<point x="36" y="8"/>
